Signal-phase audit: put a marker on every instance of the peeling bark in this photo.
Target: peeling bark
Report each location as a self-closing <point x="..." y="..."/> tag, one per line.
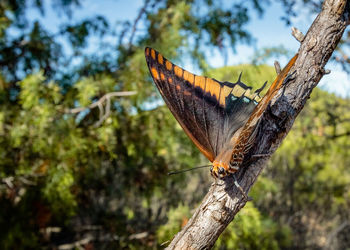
<point x="224" y="200"/>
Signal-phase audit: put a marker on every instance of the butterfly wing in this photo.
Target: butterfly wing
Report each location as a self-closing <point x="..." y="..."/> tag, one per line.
<point x="209" y="111"/>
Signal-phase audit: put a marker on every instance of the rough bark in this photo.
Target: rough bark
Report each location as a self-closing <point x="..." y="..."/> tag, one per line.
<point x="224" y="200"/>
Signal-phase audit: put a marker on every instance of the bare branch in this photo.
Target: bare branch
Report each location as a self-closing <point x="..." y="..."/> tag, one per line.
<point x="347" y="133"/>
<point x="77" y="244"/>
<point x="100" y="107"/>
<point x="334" y="233"/>
<point x="100" y="101"/>
<point x="94" y="233"/>
<point x="138" y="236"/>
<point x="277" y="67"/>
<point x="133" y="31"/>
<point x="12" y="181"/>
<point x="8" y="181"/>
<point x="298" y="34"/>
<point x="104" y="112"/>
<point x="224" y="200"/>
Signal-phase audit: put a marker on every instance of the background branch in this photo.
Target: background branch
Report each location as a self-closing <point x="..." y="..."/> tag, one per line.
<point x="223" y="200"/>
<point x="104" y="112"/>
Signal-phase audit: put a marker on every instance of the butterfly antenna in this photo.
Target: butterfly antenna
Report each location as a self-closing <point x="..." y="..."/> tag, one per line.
<point x="186" y="170"/>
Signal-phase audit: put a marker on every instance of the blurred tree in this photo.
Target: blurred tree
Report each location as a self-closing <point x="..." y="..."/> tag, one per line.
<point x="66" y="179"/>
<point x="71" y="178"/>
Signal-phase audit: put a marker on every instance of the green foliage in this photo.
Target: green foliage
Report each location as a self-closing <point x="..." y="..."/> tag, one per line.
<point x="57" y="190"/>
<point x="250" y="230"/>
<point x="78" y="34"/>
<point x="177" y="218"/>
<point x="314" y="173"/>
<point x="263" y="54"/>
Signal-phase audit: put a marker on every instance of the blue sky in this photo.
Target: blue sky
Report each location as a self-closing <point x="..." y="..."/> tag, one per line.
<point x="268" y="30"/>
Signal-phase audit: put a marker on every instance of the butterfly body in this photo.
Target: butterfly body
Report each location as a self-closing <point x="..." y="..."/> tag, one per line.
<point x="213" y="114"/>
<point x="246" y="135"/>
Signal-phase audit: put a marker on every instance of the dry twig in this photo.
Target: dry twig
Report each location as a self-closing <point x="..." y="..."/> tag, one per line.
<point x="298" y="34"/>
<point x="277" y="67"/>
<point x="104" y="112"/>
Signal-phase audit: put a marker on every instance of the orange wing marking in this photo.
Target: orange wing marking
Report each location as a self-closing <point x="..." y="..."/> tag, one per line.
<point x="168" y="65"/>
<point x="188" y="77"/>
<point x="212" y="87"/>
<point x="160" y="59"/>
<point x="225" y="91"/>
<point x="153" y="54"/>
<point x="178" y="71"/>
<point x="155" y="73"/>
<point x="162" y="76"/>
<point x="199" y="81"/>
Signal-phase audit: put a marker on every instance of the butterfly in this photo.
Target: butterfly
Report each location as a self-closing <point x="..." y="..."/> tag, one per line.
<point x="221" y="118"/>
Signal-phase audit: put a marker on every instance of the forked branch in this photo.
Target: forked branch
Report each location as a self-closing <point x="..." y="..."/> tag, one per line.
<point x="104" y="110"/>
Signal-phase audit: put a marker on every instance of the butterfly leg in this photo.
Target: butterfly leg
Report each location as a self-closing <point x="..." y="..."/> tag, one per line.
<point x="257" y="156"/>
<point x="261" y="155"/>
<point x="241" y="189"/>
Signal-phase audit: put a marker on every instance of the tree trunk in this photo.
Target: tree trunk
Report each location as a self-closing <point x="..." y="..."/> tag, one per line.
<point x="224" y="200"/>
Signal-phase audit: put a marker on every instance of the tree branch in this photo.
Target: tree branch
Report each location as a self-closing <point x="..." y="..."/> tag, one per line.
<point x="336" y="136"/>
<point x="224" y="200"/>
<point x="104" y="112"/>
<point x="298" y="34"/>
<point x="138" y="18"/>
<point x="334" y="233"/>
